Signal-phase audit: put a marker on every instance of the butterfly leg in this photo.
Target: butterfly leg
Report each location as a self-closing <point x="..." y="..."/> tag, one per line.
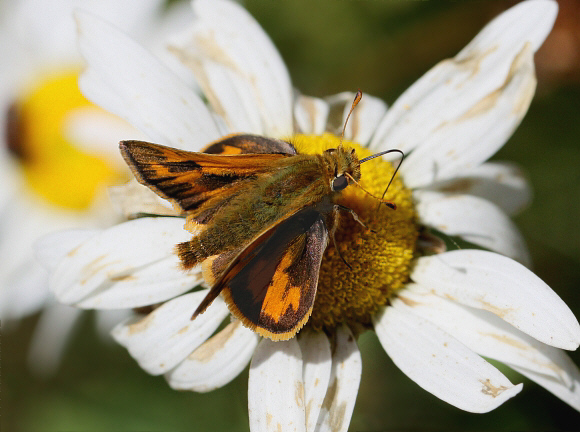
<point x="354" y="216"/>
<point x="332" y="231"/>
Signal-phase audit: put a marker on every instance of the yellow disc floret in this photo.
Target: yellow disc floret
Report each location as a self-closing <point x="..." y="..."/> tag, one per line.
<point x="56" y="169"/>
<point x="380" y="260"/>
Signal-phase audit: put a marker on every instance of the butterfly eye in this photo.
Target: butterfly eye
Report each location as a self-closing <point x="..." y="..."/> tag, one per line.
<point x="339" y="183"/>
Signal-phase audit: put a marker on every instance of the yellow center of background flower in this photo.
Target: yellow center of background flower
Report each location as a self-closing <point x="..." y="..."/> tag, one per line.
<point x="55" y="169"/>
<point x="380" y="260"/>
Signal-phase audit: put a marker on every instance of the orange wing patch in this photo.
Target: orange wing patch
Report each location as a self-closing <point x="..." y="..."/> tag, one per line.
<point x="281" y="296"/>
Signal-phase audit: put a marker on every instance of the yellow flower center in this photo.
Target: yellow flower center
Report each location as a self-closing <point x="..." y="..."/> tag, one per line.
<point x="380" y="260"/>
<point x="54" y="168"/>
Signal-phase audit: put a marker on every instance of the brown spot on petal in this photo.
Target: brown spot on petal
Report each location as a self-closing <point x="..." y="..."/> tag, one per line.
<point x="458" y="186"/>
<point x="408" y="301"/>
<point x="268" y="419"/>
<point x="299" y="393"/>
<point x="307" y="409"/>
<point x="208" y="349"/>
<point x="507" y="340"/>
<point x="122" y="277"/>
<point x="92" y="268"/>
<point x="330" y="395"/>
<point x="500" y="312"/>
<point x="336" y="417"/>
<point x="491" y="390"/>
<point x="141" y="325"/>
<point x="525" y="94"/>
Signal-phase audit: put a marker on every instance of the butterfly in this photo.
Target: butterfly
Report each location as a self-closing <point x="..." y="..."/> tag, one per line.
<point x="262" y="214"/>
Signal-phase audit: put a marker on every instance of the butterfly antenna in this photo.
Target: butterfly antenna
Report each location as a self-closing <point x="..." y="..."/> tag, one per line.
<point x="388" y="203"/>
<point x="368" y="158"/>
<point x="355" y="102"/>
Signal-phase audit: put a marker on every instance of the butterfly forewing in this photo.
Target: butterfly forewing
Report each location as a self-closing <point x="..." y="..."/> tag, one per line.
<point x="190" y="179"/>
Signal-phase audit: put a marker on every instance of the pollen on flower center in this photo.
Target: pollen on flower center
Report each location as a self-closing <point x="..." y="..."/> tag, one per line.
<point x="380" y="260"/>
<point x="54" y="168"/>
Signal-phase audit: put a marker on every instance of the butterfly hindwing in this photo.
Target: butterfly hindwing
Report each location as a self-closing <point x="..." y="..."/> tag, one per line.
<point x="270" y="286"/>
<point x="246" y="144"/>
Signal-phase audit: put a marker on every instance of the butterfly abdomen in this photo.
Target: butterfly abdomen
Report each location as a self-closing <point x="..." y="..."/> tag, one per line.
<point x="189" y="254"/>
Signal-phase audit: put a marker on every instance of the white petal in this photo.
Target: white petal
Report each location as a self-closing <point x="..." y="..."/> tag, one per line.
<point x="238" y="69"/>
<point x="166" y="336"/>
<point x="98" y="132"/>
<point x="464" y="109"/>
<point x="23" y="280"/>
<point x="275" y="388"/>
<point x="129" y="265"/>
<point x="133" y="199"/>
<point x="345" y="376"/>
<point x="568" y="393"/>
<point x="502" y="183"/>
<point x="317" y="363"/>
<point x="51" y="249"/>
<point x="45" y="29"/>
<point x="310" y="114"/>
<point x="364" y="119"/>
<point x="475" y="220"/>
<point x="486" y="333"/>
<point x="440" y="364"/>
<point x="127" y="80"/>
<point x="25" y="291"/>
<point x="470" y="139"/>
<point x="217" y="361"/>
<point x="53" y="330"/>
<point x="485" y="280"/>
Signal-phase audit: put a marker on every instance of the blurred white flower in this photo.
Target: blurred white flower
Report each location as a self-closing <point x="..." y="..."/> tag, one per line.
<point x="58" y="151"/>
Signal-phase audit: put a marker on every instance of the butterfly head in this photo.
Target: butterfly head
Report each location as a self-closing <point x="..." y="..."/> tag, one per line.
<point x="343" y="166"/>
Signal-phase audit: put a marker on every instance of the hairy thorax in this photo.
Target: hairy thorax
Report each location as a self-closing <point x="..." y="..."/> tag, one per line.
<point x="264" y="201"/>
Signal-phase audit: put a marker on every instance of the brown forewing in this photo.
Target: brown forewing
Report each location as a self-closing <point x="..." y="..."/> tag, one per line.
<point x="192" y="179"/>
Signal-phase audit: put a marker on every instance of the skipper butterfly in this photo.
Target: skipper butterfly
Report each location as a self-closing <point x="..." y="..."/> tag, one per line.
<point x="262" y="215"/>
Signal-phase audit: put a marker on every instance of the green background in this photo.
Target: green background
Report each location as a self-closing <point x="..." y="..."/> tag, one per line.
<point x="331" y="46"/>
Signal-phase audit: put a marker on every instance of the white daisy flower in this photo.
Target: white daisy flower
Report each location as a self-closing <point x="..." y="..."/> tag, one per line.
<point x="435" y="315"/>
<point x="58" y="154"/>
